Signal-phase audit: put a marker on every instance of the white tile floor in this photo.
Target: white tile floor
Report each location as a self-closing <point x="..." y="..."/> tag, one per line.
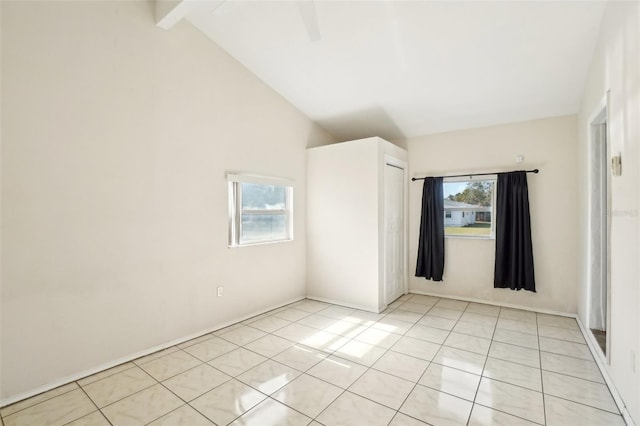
<point x="424" y="361"/>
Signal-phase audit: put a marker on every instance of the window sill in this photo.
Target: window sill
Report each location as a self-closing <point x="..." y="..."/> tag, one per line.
<point x="470" y="237"/>
<point x="261" y="243"/>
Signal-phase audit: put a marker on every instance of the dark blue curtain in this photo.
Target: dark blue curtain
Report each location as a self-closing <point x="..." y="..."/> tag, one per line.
<point x="431" y="244"/>
<point x="514" y="251"/>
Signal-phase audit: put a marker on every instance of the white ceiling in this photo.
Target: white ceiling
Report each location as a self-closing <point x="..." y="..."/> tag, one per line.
<point x="400" y="69"/>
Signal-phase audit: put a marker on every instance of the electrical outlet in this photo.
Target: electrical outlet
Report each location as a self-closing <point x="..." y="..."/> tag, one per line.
<point x="220" y="290"/>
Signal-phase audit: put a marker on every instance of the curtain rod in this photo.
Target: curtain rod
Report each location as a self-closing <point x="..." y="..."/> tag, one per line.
<point x="476" y="174"/>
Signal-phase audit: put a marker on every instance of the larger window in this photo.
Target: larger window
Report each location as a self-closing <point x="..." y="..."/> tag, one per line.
<point x="469" y="207"/>
<point x="260" y="210"/>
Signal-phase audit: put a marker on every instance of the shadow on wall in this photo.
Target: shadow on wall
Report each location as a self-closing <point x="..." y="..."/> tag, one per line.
<point x="364" y="124"/>
<point x="318" y="136"/>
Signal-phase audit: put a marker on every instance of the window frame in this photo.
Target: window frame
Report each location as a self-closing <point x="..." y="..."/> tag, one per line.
<point x="234" y="183"/>
<point x="486" y="178"/>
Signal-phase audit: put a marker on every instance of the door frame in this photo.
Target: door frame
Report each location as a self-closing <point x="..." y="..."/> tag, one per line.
<point x="601" y="178"/>
<point x="392" y="161"/>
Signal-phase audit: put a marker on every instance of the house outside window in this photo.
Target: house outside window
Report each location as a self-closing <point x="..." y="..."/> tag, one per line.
<point x="469" y="206"/>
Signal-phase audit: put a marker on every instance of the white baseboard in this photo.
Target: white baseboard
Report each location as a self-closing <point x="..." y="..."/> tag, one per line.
<point x="601" y="361"/>
<point x="492" y="302"/>
<point x="88" y="372"/>
<point x="347" y="305"/>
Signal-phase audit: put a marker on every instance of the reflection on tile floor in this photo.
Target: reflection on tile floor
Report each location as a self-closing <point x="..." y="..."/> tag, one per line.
<point x="425" y="360"/>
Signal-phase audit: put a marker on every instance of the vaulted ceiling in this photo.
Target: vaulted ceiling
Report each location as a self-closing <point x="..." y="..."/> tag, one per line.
<point x="400" y="69"/>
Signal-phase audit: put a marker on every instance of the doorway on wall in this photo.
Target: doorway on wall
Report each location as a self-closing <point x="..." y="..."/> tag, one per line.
<point x="600" y="225"/>
<point x="394" y="231"/>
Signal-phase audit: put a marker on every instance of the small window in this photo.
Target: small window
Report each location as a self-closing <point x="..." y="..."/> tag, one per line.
<point x="260" y="210"/>
<point x="469" y="207"/>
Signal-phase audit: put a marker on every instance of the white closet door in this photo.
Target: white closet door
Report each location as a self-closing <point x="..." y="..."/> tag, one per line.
<point x="394" y="232"/>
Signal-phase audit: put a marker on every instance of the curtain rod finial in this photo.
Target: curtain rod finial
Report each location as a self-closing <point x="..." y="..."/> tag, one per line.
<point x="535" y="170"/>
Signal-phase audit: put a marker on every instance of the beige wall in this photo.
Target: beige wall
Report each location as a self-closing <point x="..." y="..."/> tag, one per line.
<point x="616" y="68"/>
<point x="116" y="137"/>
<point x="551" y="146"/>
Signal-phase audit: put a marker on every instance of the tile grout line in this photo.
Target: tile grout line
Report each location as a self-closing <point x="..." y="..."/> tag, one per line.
<point x="38" y="403"/>
<point x="481" y="376"/>
<point x="94" y="404"/>
<point x="387" y="349"/>
<point x="329" y="353"/>
<point x="268" y="396"/>
<point x="358" y="378"/>
<point x="334" y="352"/>
<point x="450" y="331"/>
<point x="105" y="377"/>
<point x="544" y="400"/>
<point x="507" y="413"/>
<point x="443" y="345"/>
<point x="390" y="349"/>
<point x="344" y="390"/>
<point x="124" y="397"/>
<point x="415" y="385"/>
<point x="417" y="381"/>
<point x="486" y="359"/>
<point x="181" y="399"/>
<point x="586" y="405"/>
<point x="575" y="377"/>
